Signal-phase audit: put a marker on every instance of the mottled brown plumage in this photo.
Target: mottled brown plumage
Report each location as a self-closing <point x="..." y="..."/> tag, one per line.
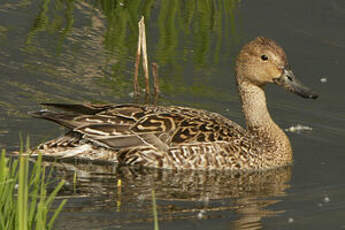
<point x="179" y="137"/>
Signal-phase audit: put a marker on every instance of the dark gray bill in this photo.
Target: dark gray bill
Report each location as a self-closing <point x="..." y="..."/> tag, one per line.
<point x="288" y="81"/>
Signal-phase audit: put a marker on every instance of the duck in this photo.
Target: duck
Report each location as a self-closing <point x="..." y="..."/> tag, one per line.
<point x="176" y="137"/>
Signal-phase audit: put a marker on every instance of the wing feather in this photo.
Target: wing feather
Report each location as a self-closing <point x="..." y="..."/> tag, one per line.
<point x="120" y="126"/>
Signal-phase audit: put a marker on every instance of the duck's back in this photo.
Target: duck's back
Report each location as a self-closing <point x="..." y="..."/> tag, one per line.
<point x="152" y="136"/>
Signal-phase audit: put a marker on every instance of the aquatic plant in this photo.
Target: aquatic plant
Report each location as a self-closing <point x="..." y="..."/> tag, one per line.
<point x="25" y="202"/>
<point x="154" y="211"/>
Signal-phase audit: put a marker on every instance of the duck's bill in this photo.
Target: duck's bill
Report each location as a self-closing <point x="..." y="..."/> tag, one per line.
<point x="288" y="81"/>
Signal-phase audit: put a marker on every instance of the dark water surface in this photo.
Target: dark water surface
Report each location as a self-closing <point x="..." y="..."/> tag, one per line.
<point x="83" y="51"/>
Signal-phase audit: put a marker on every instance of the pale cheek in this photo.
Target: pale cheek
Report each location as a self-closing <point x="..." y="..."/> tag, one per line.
<point x="267" y="75"/>
<point x="274" y="73"/>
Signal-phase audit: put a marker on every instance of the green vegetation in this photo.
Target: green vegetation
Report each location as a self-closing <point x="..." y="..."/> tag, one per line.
<point x="25" y="203"/>
<point x="154" y="210"/>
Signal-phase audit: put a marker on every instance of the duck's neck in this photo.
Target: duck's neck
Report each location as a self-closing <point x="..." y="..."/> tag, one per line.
<point x="258" y="119"/>
<point x="254" y="106"/>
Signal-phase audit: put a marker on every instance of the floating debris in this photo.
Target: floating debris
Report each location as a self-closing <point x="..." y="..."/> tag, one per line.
<point x="44" y="110"/>
<point x="141" y="197"/>
<point x="131" y="94"/>
<point x="326" y="199"/>
<point x="323" y="80"/>
<point x="290" y="220"/>
<point x="298" y="128"/>
<point x="201" y="214"/>
<point x="3" y="131"/>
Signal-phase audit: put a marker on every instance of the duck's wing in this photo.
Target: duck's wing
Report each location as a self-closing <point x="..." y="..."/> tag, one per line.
<point x="119" y="126"/>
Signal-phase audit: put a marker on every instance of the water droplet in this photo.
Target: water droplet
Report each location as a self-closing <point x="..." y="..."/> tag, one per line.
<point x="290" y="220"/>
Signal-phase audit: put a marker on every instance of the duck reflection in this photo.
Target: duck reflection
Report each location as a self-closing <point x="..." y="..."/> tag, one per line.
<point x="123" y="193"/>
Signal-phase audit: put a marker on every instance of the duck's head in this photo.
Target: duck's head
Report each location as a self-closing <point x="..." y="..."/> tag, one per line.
<point x="263" y="61"/>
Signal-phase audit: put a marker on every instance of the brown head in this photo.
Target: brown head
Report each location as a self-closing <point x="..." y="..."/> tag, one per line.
<point x="263" y="61"/>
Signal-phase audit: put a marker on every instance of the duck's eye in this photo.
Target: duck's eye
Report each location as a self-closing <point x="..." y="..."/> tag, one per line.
<point x="264" y="57"/>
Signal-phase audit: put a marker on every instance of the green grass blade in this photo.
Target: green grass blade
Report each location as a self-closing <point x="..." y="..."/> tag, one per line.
<point x="54" y="193"/>
<point x="21" y="212"/>
<point x="154" y="209"/>
<point x="34" y="187"/>
<point x="56" y="213"/>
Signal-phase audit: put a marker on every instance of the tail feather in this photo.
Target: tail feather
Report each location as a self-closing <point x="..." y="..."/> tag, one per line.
<point x="79" y="108"/>
<point x="66" y="120"/>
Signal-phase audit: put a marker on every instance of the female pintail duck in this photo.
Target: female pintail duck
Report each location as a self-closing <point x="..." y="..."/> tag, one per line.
<point x="185" y="138"/>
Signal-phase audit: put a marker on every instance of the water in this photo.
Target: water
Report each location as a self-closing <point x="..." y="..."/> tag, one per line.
<point x="61" y="51"/>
